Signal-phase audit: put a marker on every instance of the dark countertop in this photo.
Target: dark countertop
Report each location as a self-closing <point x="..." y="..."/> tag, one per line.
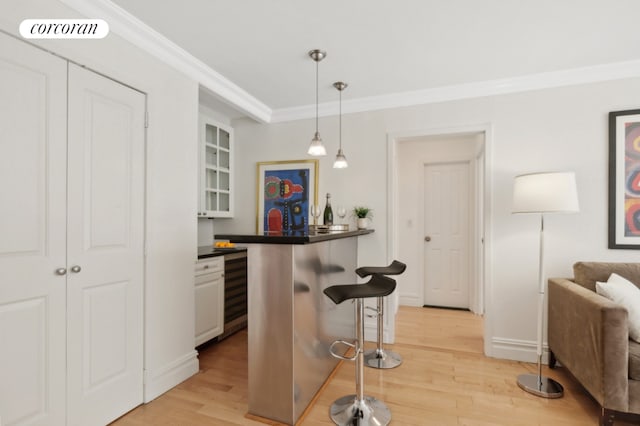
<point x="291" y="238"/>
<point x="210" y="251"/>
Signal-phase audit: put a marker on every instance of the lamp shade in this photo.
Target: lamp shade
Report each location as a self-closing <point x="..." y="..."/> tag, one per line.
<point x="552" y="192"/>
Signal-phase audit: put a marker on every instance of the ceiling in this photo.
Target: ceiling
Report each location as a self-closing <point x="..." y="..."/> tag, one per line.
<point x="387" y="47"/>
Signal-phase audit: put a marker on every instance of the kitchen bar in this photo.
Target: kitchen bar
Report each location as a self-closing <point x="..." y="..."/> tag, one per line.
<point x="291" y="322"/>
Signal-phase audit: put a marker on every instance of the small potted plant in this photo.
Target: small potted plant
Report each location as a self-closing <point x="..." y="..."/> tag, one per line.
<point x="364" y="214"/>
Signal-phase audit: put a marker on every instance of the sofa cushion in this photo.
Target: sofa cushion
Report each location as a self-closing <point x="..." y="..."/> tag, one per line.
<point x="634" y="360"/>
<point x="587" y="273"/>
<point x="624" y="293"/>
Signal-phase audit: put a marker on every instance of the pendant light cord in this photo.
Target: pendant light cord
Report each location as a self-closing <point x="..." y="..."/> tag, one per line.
<point x="317" y="96"/>
<point x="340" y="120"/>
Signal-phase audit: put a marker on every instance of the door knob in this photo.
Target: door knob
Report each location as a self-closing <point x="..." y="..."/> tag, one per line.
<point x="61" y="271"/>
<point x="427" y="238"/>
<point x="75" y="269"/>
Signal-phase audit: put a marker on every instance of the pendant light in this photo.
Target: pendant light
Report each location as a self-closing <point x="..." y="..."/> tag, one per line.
<point x="341" y="160"/>
<point x="316" y="148"/>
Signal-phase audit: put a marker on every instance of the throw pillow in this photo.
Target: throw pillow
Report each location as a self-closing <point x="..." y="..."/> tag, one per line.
<point x="623" y="292"/>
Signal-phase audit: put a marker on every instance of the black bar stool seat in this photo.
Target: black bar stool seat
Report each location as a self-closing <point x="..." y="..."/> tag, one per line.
<point x="395" y="268"/>
<point x="359" y="409"/>
<point x="378" y="286"/>
<point x="379" y="357"/>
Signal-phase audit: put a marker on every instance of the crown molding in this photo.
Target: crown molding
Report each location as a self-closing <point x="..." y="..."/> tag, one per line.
<point x="571" y="77"/>
<point x="141" y="35"/>
<point x="146" y="38"/>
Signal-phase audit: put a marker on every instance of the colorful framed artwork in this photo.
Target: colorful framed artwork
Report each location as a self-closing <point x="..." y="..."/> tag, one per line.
<point x="286" y="190"/>
<point x="624" y="179"/>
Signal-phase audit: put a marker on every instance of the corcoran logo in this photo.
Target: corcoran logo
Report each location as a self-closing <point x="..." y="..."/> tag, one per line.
<point x="64" y="28"/>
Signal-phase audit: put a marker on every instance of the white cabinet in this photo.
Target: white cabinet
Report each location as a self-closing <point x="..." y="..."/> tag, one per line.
<point x="216" y="169"/>
<point x="209" y="295"/>
<point x="71" y="251"/>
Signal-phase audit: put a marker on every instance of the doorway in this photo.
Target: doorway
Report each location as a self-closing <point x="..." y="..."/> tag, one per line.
<point x="412" y="156"/>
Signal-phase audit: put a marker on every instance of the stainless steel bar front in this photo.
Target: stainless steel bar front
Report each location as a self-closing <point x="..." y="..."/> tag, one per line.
<point x="291" y="323"/>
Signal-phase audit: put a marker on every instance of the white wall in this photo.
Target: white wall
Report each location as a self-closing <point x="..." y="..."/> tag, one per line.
<point x="554" y="129"/>
<point x="205" y="232"/>
<point x="171" y="192"/>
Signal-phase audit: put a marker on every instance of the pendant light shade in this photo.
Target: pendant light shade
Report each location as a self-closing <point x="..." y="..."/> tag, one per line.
<point x="341" y="160"/>
<point x="316" y="148"/>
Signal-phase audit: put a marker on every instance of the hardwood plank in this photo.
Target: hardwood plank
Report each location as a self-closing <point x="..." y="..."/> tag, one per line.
<point x="444" y="380"/>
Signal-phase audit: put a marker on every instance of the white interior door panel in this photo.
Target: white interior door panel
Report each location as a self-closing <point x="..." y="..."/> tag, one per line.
<point x="105" y="246"/>
<point x="32" y="235"/>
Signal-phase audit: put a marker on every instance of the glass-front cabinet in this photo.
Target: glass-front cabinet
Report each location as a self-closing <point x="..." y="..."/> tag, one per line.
<point x="216" y="168"/>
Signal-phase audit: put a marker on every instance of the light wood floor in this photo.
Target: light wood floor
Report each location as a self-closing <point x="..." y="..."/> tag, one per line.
<point x="444" y="380"/>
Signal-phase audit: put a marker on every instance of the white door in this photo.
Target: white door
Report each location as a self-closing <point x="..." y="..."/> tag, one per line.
<point x="446" y="240"/>
<point x="105" y="241"/>
<point x="33" y="170"/>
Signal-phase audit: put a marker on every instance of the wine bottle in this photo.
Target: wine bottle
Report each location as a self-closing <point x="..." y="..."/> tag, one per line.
<point x="328" y="212"/>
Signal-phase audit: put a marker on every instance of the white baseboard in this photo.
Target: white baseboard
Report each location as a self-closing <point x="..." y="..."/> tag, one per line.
<point x="158" y="382"/>
<point x="410" y="300"/>
<point x="518" y="350"/>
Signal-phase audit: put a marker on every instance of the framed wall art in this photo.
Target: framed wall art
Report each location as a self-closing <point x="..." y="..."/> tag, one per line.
<point x="624" y="179"/>
<point x="286" y="190"/>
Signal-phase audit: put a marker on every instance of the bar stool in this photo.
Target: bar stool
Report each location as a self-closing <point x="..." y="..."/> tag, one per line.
<point x="378" y="357"/>
<point x="359" y="409"/>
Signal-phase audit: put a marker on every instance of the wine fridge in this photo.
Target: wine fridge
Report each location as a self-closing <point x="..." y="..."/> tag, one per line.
<point x="235" y="293"/>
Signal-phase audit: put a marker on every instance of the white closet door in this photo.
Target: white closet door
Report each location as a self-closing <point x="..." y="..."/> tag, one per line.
<point x="105" y="241"/>
<point x="446" y="224"/>
<point x="32" y="235"/>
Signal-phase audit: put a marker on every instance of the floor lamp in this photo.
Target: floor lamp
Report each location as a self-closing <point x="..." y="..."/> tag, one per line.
<point x="543" y="193"/>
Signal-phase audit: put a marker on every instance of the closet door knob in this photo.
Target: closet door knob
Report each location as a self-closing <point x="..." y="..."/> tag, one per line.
<point x="75" y="269"/>
<point x="61" y="271"/>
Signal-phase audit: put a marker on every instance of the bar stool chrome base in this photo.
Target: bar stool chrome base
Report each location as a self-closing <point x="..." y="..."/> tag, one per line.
<point x="359" y="409"/>
<point x="349" y="411"/>
<point x="381" y="358"/>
